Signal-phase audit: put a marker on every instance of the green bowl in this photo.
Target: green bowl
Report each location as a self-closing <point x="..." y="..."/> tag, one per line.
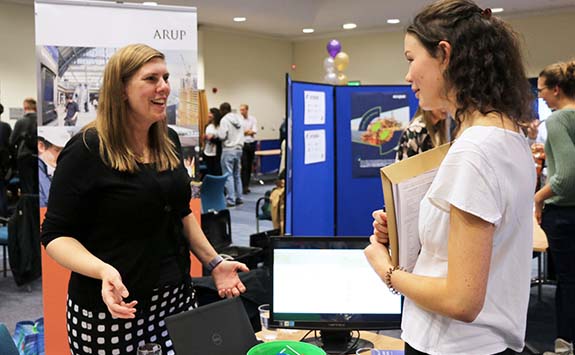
<point x="289" y="347"/>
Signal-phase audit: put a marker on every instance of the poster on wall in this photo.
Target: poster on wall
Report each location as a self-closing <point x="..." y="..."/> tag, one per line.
<point x="74" y="42"/>
<point x="377" y="122"/>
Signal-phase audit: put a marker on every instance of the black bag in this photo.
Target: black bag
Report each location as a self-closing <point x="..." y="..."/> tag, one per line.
<point x="24" y="240"/>
<point x="217" y="227"/>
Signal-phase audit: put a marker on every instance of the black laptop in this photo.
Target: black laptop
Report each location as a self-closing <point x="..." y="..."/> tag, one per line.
<point x="219" y="328"/>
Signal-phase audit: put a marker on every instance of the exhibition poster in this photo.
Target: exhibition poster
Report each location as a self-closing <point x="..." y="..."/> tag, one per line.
<point x="377" y="122"/>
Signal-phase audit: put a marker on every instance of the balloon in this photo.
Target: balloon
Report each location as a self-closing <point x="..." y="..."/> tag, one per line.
<point x="341" y="61"/>
<point x="330" y="78"/>
<point x="333" y="47"/>
<point x="329" y="65"/>
<point x="341" y="79"/>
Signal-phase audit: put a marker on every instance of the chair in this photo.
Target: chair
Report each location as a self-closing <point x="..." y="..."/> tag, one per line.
<point x="4" y="243"/>
<point x="212" y="193"/>
<point x="7" y="346"/>
<point x="265" y="212"/>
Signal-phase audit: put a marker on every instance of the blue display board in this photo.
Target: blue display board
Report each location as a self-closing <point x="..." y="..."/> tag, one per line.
<point x="310" y="201"/>
<point x="369" y="123"/>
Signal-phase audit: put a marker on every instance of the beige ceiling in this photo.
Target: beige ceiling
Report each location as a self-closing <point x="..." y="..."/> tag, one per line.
<point x="287" y="18"/>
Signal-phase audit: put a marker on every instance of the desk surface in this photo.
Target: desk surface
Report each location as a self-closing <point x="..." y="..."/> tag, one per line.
<point x="268" y="152"/>
<point x="381" y="342"/>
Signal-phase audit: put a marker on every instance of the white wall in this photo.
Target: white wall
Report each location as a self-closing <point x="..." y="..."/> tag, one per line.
<point x="377" y="58"/>
<point x="250" y="69"/>
<point x="17" y="56"/>
<point x="247" y="69"/>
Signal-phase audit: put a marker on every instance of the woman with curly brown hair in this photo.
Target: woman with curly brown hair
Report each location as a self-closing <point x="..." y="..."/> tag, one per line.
<point x="469" y="290"/>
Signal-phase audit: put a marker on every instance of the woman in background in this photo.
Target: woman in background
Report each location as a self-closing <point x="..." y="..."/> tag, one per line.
<point x="469" y="290"/>
<point x="555" y="201"/>
<point x="427" y="130"/>
<point x="212" y="144"/>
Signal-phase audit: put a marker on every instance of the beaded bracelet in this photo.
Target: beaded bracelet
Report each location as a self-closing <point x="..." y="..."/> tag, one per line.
<point x="387" y="279"/>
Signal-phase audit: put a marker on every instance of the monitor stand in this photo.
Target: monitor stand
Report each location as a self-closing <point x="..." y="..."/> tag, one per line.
<point x="338" y="341"/>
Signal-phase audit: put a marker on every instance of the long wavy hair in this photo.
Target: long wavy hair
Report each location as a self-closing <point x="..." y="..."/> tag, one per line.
<point x="560" y="75"/>
<point x="111" y="123"/>
<point x="485" y="69"/>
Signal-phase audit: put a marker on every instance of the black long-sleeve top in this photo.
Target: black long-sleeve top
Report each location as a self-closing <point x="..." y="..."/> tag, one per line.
<point x="133" y="221"/>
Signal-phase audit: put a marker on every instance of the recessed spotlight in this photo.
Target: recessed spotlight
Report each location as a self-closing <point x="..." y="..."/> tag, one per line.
<point x="308" y="30"/>
<point x="150" y="3"/>
<point x="240" y="19"/>
<point x="349" y="26"/>
<point x="393" y="21"/>
<point x="497" y="9"/>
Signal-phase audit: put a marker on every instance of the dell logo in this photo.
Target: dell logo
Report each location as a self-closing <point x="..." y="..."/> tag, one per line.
<point x="217" y="339"/>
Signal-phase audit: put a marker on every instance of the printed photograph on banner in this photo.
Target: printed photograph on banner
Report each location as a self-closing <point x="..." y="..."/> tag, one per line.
<point x="69" y="86"/>
<point x="377" y="122"/>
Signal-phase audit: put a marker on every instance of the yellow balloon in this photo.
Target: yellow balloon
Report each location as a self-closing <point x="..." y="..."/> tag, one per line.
<point x="341" y="79"/>
<point x="341" y="61"/>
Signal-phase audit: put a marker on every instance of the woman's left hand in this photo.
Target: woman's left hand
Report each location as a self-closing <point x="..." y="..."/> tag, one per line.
<point x="378" y="256"/>
<point x="227" y="280"/>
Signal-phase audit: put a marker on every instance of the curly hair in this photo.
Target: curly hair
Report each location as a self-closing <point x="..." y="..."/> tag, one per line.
<point x="561" y="75"/>
<point x="485" y="67"/>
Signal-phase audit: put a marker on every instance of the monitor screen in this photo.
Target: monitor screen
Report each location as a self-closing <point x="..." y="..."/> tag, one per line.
<point x="327" y="283"/>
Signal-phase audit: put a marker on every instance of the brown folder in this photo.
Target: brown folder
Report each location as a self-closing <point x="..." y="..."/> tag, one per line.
<point x="406" y="170"/>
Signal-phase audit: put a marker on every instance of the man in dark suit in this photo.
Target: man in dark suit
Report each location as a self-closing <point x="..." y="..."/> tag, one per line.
<point x="5" y="161"/>
<point x="25" y="143"/>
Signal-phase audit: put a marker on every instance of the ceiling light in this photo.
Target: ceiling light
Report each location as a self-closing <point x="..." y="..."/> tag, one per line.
<point x="150" y="3"/>
<point x="349" y="26"/>
<point x="240" y="19"/>
<point x="308" y="30"/>
<point x="497" y="9"/>
<point x="393" y="21"/>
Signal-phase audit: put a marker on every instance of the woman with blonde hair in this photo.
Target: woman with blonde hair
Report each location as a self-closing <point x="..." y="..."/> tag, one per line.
<point x="427" y="130"/>
<point x="118" y="216"/>
<point x="555" y="202"/>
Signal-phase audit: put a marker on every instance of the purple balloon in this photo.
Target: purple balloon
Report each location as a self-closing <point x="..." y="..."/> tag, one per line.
<point x="333" y="47"/>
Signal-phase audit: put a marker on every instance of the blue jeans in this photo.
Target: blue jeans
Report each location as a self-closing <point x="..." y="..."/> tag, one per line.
<point x="559" y="225"/>
<point x="231" y="164"/>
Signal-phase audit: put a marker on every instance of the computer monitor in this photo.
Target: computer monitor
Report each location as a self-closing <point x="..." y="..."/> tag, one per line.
<point x="326" y="283"/>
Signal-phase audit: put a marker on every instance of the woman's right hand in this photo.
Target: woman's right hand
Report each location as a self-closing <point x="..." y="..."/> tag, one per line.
<point x="380" y="226"/>
<point x="114" y="292"/>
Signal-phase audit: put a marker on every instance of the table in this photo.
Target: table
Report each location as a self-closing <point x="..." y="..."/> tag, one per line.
<point x="263" y="153"/>
<point x="381" y="342"/>
<point x="260" y="154"/>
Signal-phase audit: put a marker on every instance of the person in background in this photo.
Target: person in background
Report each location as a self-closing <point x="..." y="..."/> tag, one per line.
<point x="118" y="216"/>
<point x="5" y="162"/>
<point x="232" y="135"/>
<point x="51" y="141"/>
<point x="72" y="112"/>
<point x="469" y="290"/>
<point x="23" y="141"/>
<point x="212" y="144"/>
<point x="555" y="201"/>
<point x="427" y="130"/>
<point x="250" y="125"/>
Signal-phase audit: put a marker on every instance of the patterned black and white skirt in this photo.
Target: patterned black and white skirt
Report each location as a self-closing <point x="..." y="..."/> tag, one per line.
<point x="98" y="333"/>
